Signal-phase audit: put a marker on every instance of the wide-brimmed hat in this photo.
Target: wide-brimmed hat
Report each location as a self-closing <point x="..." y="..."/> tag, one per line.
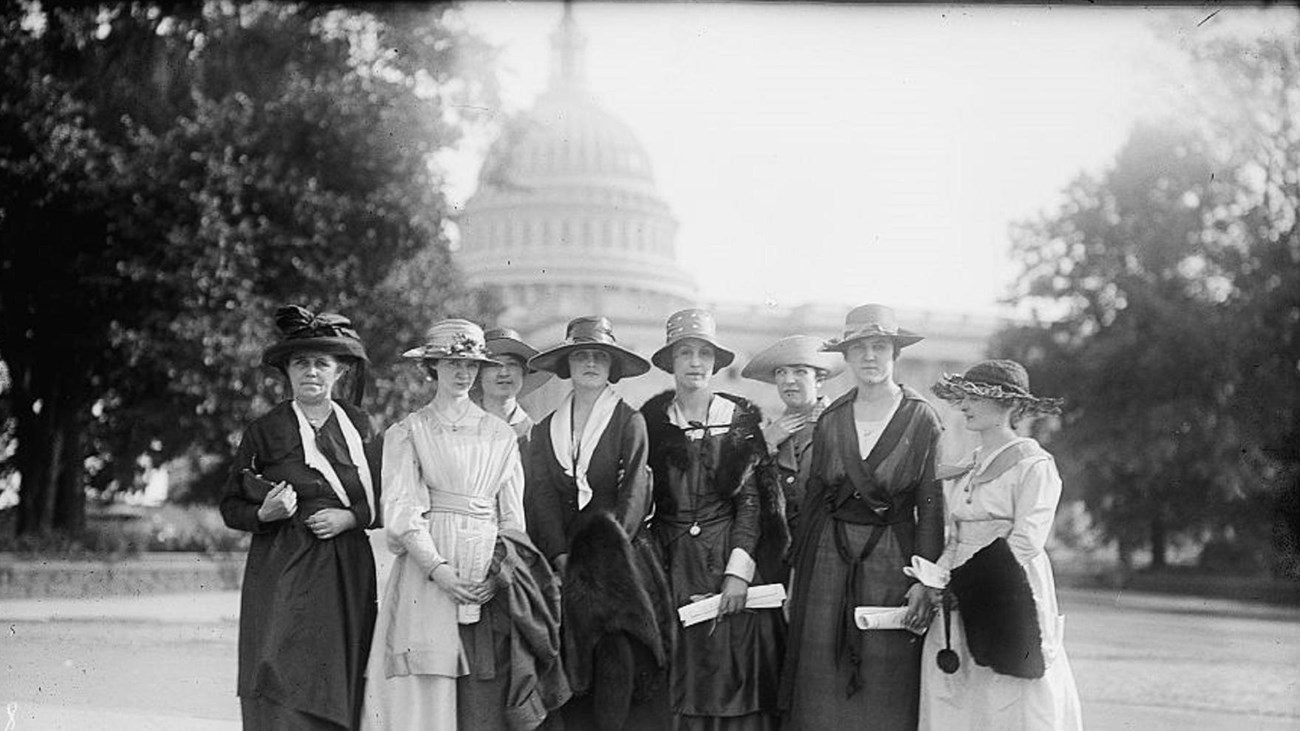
<point x="999" y="380"/>
<point x="869" y="321"/>
<point x="692" y="323"/>
<point x="795" y="350"/>
<point x="453" y="339"/>
<point x="502" y="341"/>
<point x="303" y="330"/>
<point x="596" y="333"/>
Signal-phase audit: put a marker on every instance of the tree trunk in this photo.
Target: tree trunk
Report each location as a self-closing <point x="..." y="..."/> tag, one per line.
<point x="1159" y="538"/>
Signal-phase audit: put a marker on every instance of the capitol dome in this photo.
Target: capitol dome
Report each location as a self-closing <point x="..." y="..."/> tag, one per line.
<point x="567" y="219"/>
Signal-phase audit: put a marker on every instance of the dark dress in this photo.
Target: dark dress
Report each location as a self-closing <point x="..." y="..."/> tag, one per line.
<point x="618" y="621"/>
<point x="836" y="675"/>
<point x="307" y="609"/>
<point x="724" y="675"/>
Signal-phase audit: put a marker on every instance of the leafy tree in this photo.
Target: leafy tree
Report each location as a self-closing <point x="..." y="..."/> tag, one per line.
<point x="171" y="173"/>
<point x="1167" y="301"/>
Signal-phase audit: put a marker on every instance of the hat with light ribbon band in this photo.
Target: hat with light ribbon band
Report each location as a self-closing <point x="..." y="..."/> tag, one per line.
<point x="870" y="321"/>
<point x="591" y="332"/>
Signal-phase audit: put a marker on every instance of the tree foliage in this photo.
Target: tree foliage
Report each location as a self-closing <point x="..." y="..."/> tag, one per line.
<point x="171" y="172"/>
<point x="1166" y="296"/>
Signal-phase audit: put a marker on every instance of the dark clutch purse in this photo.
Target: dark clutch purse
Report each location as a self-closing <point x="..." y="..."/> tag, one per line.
<point x="255" y="487"/>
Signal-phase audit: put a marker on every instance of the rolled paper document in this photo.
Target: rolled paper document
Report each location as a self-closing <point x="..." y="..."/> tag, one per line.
<point x="868" y="618"/>
<point x="764" y="596"/>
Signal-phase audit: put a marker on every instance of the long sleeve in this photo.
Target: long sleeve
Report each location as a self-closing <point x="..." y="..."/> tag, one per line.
<point x="238" y="511"/>
<point x="634" y="490"/>
<point x="543" y="504"/>
<point x="1034" y="502"/>
<point x="406" y="500"/>
<point x="929" y="511"/>
<point x="510" y="498"/>
<point x="744" y="531"/>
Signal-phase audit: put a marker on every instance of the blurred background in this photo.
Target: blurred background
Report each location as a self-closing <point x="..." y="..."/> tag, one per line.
<point x="1108" y="195"/>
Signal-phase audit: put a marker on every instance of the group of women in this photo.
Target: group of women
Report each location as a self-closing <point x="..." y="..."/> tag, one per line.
<point x="540" y="568"/>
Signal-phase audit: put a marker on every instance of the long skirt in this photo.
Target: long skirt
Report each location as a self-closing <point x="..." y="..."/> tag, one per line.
<point x="890" y="669"/>
<point x="975" y="697"/>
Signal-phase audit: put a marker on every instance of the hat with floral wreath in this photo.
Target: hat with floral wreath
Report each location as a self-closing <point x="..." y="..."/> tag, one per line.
<point x="453" y="339"/>
<point x="998" y="380"/>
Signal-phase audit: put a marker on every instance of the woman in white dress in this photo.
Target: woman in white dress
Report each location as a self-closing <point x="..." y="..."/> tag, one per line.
<point x="999" y="505"/>
<point x="456" y="483"/>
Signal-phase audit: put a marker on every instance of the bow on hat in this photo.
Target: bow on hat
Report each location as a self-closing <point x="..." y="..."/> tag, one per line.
<point x="299" y="322"/>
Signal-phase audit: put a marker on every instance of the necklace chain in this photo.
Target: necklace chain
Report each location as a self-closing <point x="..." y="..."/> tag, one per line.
<point x="453" y="424"/>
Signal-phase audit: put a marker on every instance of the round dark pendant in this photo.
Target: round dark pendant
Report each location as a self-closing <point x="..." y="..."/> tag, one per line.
<point x="948" y="661"/>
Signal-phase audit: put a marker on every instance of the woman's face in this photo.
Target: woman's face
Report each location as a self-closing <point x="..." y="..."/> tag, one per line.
<point x="871" y="360"/>
<point x="797" y="385"/>
<point x="983" y="414"/>
<point x="312" y="375"/>
<point x="456" y="376"/>
<point x="504" y="381"/>
<point x="589" y="368"/>
<point x="693" y="364"/>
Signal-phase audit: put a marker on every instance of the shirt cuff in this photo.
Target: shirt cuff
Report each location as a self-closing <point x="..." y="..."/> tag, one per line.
<point x="740" y="565"/>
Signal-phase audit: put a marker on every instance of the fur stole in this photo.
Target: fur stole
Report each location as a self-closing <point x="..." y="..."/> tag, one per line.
<point x="619" y="625"/>
<point x="998" y="612"/>
<point x="742" y="454"/>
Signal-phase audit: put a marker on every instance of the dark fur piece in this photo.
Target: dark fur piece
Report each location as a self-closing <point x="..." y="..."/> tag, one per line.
<point x="742" y="454"/>
<point x="618" y="619"/>
<point x="998" y="612"/>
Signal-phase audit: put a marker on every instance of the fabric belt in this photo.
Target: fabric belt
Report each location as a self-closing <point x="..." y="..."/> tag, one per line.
<point x="475" y="506"/>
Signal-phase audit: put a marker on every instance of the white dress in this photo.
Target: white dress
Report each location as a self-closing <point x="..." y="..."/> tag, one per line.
<point x="1018" y="504"/>
<point x="447" y="492"/>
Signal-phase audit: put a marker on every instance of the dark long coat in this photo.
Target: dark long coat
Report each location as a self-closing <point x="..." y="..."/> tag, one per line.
<point x="307" y="609"/>
<point x="835" y="674"/>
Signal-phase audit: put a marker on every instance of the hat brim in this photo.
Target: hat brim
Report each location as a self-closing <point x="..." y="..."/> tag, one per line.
<point x="556" y="360"/>
<point x="663" y="357"/>
<point x="902" y="339"/>
<point x="763" y="366"/>
<point x="340" y="347"/>
<point x="510" y="346"/>
<point x="953" y="388"/>
<point x="425" y="352"/>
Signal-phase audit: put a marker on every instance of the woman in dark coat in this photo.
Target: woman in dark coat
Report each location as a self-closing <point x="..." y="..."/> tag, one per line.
<point x="872" y="503"/>
<point x="305" y="483"/>
<point x="715" y="521"/>
<point x="587" y="498"/>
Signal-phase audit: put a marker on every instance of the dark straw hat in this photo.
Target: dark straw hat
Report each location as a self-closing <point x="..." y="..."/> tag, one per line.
<point x="999" y="380"/>
<point x="870" y="321"/>
<point x="304" y="330"/>
<point x="596" y="333"/>
<point x="692" y="323"/>
<point x="795" y="350"/>
<point x="502" y="341"/>
<point x="453" y="339"/>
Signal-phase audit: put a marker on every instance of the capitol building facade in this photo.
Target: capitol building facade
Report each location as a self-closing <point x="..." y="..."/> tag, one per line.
<point x="567" y="220"/>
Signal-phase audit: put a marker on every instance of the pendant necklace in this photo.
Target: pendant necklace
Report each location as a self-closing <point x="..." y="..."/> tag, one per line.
<point x="454" y="424"/>
<point x="694" y="530"/>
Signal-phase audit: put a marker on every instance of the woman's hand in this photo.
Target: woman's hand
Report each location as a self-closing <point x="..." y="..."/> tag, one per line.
<point x="280" y="503"/>
<point x="781" y="429"/>
<point x="733" y="595"/>
<point x="920" y="608"/>
<point x="562" y="564"/>
<point x="329" y="522"/>
<point x="460" y="590"/>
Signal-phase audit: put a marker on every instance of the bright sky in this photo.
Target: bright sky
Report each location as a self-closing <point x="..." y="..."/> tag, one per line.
<point x="851" y="154"/>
